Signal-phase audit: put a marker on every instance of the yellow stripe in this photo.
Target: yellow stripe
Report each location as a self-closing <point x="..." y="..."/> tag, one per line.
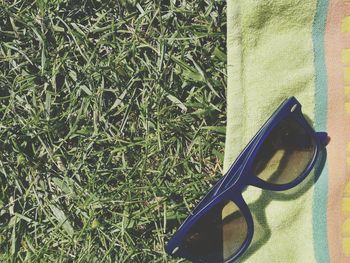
<point x="346" y="246"/>
<point x="347" y="74"/>
<point x="348" y="147"/>
<point x="347" y="90"/>
<point x="348" y="160"/>
<point x="346" y="204"/>
<point x="347" y="189"/>
<point x="346" y="227"/>
<point x="345" y="27"/>
<point x="345" y="55"/>
<point x="347" y="107"/>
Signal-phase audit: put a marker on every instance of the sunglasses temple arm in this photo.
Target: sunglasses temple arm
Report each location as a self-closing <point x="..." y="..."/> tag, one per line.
<point x="323" y="138"/>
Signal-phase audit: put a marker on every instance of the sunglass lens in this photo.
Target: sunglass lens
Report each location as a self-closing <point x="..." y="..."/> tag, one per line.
<point x="285" y="153"/>
<point x="218" y="235"/>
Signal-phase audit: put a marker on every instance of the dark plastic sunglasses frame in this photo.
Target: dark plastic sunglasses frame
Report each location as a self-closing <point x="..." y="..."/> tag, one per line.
<point x="240" y="175"/>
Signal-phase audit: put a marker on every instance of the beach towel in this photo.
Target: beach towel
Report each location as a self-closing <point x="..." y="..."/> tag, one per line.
<point x="277" y="49"/>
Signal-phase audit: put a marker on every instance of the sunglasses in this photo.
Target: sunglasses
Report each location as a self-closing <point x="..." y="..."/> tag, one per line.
<point x="278" y="157"/>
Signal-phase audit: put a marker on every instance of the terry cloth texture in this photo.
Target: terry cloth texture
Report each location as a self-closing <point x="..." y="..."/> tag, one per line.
<point x="277" y="49"/>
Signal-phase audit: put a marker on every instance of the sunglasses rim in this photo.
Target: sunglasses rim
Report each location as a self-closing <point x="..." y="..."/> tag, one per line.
<point x="240" y="175"/>
<point x="263" y="184"/>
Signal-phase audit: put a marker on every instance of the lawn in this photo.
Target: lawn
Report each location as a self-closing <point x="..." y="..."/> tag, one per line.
<point x="112" y="125"/>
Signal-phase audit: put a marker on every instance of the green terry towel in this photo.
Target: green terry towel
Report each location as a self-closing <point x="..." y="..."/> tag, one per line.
<point x="270" y="58"/>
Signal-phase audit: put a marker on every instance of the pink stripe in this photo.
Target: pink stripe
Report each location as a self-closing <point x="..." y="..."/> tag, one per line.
<point x="338" y="128"/>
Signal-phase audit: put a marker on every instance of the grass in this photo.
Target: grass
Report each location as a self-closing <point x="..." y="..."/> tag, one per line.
<point x="112" y="125"/>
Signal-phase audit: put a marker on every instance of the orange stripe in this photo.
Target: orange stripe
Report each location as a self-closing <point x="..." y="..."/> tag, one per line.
<point x="338" y="214"/>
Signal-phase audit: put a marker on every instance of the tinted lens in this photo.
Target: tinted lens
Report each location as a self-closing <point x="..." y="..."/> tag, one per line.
<point x="218" y="234"/>
<point x="285" y="153"/>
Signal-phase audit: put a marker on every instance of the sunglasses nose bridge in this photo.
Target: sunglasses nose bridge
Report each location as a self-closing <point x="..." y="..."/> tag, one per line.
<point x="236" y="192"/>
